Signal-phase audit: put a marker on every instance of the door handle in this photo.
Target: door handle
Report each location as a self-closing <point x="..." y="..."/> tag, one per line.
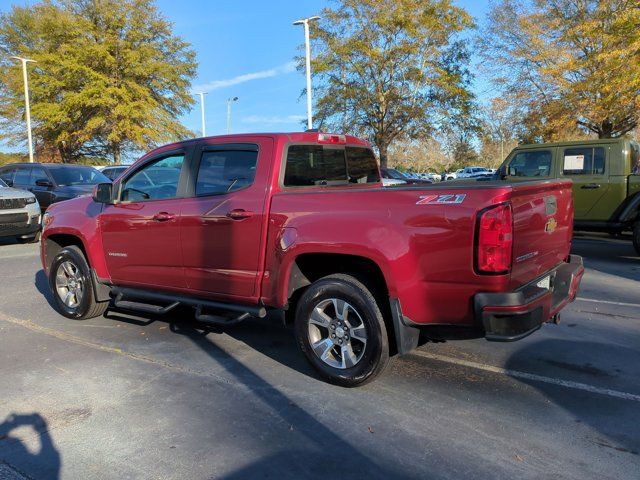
<point x="590" y="186"/>
<point x="239" y="214"/>
<point x="163" y="216"/>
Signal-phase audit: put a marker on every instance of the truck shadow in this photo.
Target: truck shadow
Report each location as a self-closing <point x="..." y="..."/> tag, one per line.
<point x="613" y="421"/>
<point x="45" y="463"/>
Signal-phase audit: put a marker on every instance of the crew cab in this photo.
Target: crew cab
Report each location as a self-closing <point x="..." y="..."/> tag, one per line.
<point x="243" y="224"/>
<point x="605" y="175"/>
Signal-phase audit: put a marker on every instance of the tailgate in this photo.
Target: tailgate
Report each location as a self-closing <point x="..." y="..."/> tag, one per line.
<point x="543" y="226"/>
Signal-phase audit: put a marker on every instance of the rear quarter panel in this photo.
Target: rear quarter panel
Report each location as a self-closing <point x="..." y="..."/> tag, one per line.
<point x="425" y="251"/>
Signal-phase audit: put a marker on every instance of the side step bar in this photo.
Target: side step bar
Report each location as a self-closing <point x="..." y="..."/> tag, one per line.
<point x="175" y="300"/>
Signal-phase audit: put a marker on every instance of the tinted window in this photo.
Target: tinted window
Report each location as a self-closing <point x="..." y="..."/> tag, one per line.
<point x="583" y="161"/>
<point x="315" y="165"/>
<point x="155" y="181"/>
<point x="22" y="176"/>
<point x="7" y="174"/>
<point x="362" y="165"/>
<point x="38" y="173"/>
<point x="536" y="163"/>
<point x="225" y="171"/>
<point x="65" y="175"/>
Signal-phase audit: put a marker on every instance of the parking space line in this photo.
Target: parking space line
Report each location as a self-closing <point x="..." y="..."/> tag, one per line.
<point x="609" y="302"/>
<point x="529" y="376"/>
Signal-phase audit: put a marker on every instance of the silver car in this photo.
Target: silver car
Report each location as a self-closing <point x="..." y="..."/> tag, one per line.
<point x="19" y="214"/>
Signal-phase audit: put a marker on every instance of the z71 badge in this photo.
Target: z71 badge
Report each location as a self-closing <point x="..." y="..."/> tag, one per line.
<point x="449" y="199"/>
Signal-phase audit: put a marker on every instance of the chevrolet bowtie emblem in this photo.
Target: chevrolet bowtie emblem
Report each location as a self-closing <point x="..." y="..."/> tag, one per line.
<point x="551" y="225"/>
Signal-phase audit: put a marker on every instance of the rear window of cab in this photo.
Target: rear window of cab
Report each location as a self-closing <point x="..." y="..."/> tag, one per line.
<point x="328" y="165"/>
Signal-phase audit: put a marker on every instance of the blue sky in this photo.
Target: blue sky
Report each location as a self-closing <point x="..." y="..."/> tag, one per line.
<point x="245" y="48"/>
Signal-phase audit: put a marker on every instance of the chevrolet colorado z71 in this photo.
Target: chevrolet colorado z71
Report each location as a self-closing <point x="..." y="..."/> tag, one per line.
<point x="238" y="224"/>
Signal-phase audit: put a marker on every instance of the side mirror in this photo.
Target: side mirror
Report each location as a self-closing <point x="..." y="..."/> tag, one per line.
<point x="43" y="182"/>
<point x="102" y="193"/>
<point x="9" y="182"/>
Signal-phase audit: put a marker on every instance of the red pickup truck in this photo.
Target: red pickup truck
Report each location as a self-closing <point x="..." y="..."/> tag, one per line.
<point x="236" y="225"/>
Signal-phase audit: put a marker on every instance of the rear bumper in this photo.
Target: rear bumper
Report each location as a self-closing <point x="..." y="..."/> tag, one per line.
<point x="511" y="316"/>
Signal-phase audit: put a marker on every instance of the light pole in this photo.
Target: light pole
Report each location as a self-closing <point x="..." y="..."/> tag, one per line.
<point x="201" y="95"/>
<point x="305" y="22"/>
<point x="26" y="101"/>
<point x="229" y="100"/>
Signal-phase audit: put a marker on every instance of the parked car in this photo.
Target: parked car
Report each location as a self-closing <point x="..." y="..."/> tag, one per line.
<point x="472" y="172"/>
<point x="299" y="222"/>
<point x="606" y="191"/>
<point x="432" y="176"/>
<point x="393" y="174"/>
<point x="446" y="176"/>
<point x="52" y="182"/>
<point x="392" y="182"/>
<point x="114" y="172"/>
<point x="19" y="214"/>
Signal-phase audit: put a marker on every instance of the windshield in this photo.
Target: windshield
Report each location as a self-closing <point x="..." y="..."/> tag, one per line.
<point x="65" y="176"/>
<point x="2" y="184"/>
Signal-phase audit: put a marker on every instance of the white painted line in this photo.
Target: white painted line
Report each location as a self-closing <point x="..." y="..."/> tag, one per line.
<point x="530" y="376"/>
<point x="609" y="302"/>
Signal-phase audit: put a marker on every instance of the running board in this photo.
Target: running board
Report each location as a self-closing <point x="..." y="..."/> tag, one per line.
<point x="175" y="300"/>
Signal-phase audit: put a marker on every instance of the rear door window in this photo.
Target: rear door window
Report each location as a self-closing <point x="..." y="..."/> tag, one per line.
<point x="223" y="171"/>
<point x="535" y="163"/>
<point x="583" y="161"/>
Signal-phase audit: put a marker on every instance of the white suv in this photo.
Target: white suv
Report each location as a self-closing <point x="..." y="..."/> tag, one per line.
<point x="19" y="214"/>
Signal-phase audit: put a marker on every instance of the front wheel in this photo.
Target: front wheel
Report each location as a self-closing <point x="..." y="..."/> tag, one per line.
<point x="70" y="283"/>
<point x="341" y="331"/>
<point x="636" y="237"/>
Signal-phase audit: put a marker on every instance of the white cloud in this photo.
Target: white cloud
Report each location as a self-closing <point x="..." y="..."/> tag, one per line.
<point x="273" y="120"/>
<point x="247" y="77"/>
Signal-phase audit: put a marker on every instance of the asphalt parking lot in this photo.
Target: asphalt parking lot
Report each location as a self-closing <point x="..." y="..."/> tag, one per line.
<point x="133" y="397"/>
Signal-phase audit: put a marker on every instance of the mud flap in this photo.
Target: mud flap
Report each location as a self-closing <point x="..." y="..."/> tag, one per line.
<point x="406" y="337"/>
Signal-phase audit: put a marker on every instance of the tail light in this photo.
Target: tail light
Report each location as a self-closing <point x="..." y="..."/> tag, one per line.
<point x="494" y="240"/>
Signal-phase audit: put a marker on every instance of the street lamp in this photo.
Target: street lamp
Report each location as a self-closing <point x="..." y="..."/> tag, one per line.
<point x="305" y="22"/>
<point x="229" y="100"/>
<point x="201" y="95"/>
<point x="26" y="101"/>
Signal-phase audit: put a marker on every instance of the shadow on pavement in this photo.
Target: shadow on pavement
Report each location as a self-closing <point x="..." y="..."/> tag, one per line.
<point x="339" y="458"/>
<point x="615" y="420"/>
<point x="42" y="285"/>
<point x="610" y="256"/>
<point x="43" y="464"/>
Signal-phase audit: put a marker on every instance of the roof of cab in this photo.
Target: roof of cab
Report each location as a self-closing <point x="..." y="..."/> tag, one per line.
<point x="305" y="137"/>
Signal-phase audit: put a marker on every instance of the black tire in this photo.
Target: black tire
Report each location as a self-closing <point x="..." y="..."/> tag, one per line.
<point x="372" y="356"/>
<point x="34" y="239"/>
<point x="636" y="237"/>
<point x="85" y="305"/>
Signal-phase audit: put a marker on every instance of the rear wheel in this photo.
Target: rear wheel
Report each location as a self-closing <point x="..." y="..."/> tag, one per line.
<point x="341" y="331"/>
<point x="70" y="283"/>
<point x="636" y="237"/>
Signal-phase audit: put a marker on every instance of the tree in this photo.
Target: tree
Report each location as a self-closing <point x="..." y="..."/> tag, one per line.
<point x="390" y="68"/>
<point x="573" y="64"/>
<point x="110" y="76"/>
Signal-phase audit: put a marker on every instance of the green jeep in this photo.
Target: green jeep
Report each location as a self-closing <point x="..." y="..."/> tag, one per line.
<point x="605" y="174"/>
